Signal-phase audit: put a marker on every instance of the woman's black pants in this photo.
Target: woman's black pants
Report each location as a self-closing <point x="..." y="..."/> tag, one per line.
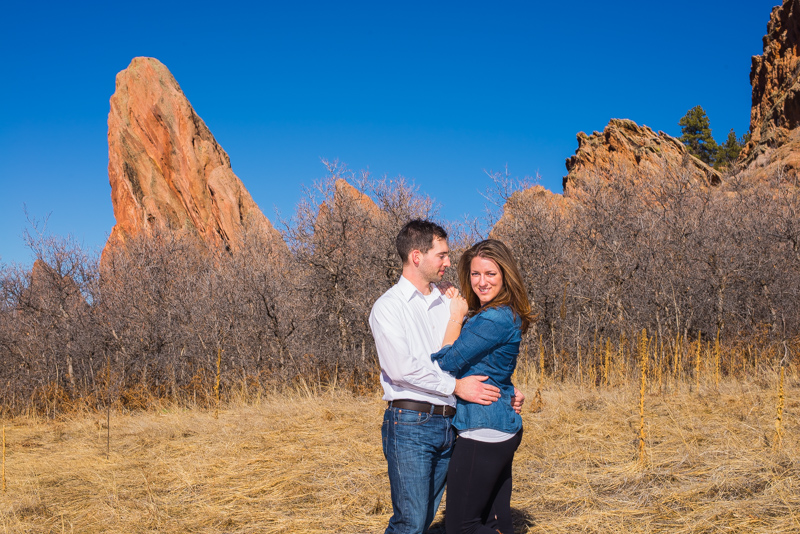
<point x="479" y="487"/>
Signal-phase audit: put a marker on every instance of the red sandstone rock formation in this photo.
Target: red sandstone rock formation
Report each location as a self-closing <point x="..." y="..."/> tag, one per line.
<point x="347" y="192"/>
<point x="623" y="146"/>
<point x="774" y="144"/>
<point x="533" y="202"/>
<point x="350" y="204"/>
<point x="165" y="167"/>
<point x="47" y="288"/>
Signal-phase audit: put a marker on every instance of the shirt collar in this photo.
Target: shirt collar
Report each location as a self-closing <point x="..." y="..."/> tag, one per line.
<point x="408" y="290"/>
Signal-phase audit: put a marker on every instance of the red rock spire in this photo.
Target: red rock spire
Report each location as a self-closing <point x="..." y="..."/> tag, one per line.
<point x="165" y="167"/>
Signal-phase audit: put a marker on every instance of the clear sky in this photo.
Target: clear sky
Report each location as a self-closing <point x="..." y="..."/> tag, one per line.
<point x="436" y="91"/>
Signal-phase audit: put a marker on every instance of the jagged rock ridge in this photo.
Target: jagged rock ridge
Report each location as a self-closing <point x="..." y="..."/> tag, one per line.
<point x="165" y="167"/>
<point x="624" y="146"/>
<point x="774" y="144"/>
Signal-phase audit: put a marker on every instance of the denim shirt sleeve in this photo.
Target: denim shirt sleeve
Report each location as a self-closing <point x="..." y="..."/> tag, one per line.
<point x="479" y="336"/>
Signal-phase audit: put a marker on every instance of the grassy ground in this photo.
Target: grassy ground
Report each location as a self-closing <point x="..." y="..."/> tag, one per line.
<point x="314" y="465"/>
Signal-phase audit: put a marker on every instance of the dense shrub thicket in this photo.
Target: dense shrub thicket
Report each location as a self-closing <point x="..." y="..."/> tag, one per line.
<point x="167" y="318"/>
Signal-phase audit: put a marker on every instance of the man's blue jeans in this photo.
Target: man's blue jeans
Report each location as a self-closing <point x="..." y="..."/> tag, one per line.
<point x="417" y="447"/>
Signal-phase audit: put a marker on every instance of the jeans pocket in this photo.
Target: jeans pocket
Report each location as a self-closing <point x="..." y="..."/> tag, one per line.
<point x="410" y="417"/>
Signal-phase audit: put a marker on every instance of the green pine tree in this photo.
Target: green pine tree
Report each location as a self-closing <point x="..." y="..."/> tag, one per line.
<point x="696" y="135"/>
<point x="727" y="153"/>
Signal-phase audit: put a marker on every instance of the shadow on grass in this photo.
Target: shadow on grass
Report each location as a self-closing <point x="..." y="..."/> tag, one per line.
<point x="523" y="521"/>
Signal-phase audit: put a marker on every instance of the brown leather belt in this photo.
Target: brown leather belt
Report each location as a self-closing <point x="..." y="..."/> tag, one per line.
<point x="426" y="407"/>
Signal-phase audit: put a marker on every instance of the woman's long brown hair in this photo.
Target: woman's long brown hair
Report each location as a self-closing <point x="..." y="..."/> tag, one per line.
<point x="512" y="294"/>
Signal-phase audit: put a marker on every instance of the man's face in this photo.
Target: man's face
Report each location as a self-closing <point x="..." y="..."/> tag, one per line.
<point x="434" y="262"/>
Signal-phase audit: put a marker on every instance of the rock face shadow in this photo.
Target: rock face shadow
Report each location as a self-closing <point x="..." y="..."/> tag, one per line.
<point x="523" y="521"/>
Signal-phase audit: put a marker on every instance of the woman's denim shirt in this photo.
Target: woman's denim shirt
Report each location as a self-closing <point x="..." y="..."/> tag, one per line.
<point x="488" y="345"/>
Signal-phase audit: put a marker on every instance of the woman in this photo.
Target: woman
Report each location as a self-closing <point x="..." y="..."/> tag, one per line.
<point x="498" y="311"/>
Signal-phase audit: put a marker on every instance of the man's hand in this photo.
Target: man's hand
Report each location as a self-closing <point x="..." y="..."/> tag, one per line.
<point x="451" y="292"/>
<point x="447" y="288"/>
<point x="473" y="389"/>
<point x="517" y="400"/>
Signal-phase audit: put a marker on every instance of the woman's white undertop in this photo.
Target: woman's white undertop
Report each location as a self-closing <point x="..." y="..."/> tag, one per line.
<point x="487" y="435"/>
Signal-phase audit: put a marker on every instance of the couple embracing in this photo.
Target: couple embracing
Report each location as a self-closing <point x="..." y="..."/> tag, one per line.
<point x="446" y="365"/>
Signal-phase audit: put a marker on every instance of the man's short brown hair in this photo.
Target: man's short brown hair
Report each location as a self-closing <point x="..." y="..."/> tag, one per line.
<point x="417" y="234"/>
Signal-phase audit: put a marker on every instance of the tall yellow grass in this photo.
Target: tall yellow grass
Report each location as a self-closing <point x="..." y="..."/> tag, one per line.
<point x="779" y="410"/>
<point x="4" y="458"/>
<point x="698" y="359"/>
<point x="643" y="356"/>
<point x="217" y="378"/>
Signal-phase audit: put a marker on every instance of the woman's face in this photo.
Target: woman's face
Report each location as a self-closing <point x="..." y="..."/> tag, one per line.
<point x="486" y="279"/>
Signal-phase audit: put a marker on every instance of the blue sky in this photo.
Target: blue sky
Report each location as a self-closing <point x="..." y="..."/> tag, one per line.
<point x="437" y="92"/>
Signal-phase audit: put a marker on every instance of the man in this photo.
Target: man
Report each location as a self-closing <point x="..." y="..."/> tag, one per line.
<point x="408" y="323"/>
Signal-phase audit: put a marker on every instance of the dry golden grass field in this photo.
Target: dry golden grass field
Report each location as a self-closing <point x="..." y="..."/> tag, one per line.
<point x="313" y="464"/>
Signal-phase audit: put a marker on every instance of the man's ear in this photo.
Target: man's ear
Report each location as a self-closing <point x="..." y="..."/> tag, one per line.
<point x="416" y="257"/>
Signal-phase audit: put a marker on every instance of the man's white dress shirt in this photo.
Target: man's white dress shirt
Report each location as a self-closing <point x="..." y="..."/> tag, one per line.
<point x="408" y="327"/>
